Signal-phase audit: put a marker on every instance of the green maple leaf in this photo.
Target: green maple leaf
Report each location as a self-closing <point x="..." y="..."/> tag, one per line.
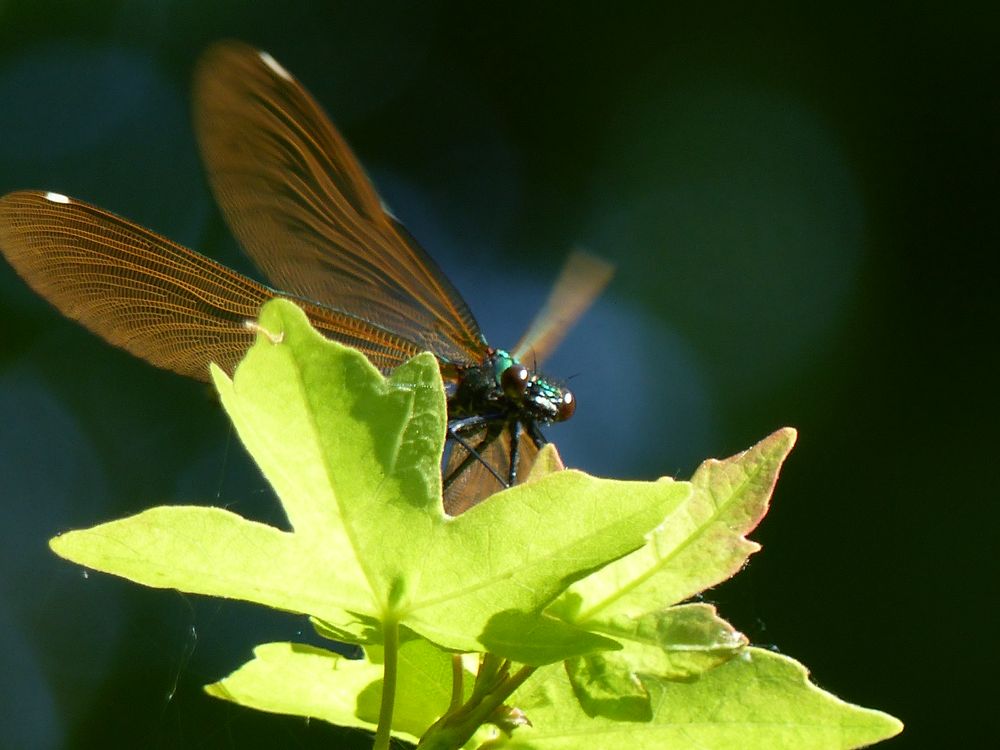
<point x="701" y="543"/>
<point x="757" y="700"/>
<point x="563" y="568"/>
<point x="321" y="684"/>
<point x="355" y="459"/>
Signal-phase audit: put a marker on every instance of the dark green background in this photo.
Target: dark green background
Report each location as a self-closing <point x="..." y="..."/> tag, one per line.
<point x="802" y="207"/>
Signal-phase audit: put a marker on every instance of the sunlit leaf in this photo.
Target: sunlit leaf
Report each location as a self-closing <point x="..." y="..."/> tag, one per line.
<point x="355" y="459"/>
<point x="701" y="543"/>
<point x="677" y="643"/>
<point x="291" y="678"/>
<point x="759" y="700"/>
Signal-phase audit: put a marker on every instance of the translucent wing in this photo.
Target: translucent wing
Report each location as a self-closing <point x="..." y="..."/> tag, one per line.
<point x="476" y="482"/>
<point x="154" y="298"/>
<point x="581" y="280"/>
<point x="304" y="210"/>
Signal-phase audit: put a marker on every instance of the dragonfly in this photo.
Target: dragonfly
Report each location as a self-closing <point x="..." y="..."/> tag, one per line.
<point x="305" y="212"/>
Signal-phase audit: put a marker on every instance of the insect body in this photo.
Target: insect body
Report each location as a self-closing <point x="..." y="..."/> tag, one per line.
<point x="305" y="212"/>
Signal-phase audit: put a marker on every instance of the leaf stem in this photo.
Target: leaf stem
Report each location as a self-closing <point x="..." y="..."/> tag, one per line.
<point x="494" y="684"/>
<point x="390" y="636"/>
<point x="457" y="682"/>
<point x="492" y="669"/>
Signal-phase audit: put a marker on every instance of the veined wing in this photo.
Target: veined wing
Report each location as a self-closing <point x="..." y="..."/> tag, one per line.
<point x="304" y="210"/>
<point x="476" y="482"/>
<point x="152" y="297"/>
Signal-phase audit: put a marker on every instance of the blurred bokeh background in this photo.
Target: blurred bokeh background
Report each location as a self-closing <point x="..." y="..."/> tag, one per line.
<point x="803" y="210"/>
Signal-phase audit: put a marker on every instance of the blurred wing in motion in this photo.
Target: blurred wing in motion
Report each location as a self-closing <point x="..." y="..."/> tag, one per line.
<point x="581" y="280"/>
<point x="302" y="207"/>
<point x="152" y="297"/>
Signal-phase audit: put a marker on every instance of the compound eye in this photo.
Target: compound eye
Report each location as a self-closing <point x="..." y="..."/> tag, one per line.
<point x="514" y="381"/>
<point x="566" y="407"/>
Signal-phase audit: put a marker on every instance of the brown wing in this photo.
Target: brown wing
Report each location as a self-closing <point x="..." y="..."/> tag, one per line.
<point x="476" y="482"/>
<point x="304" y="210"/>
<point x="154" y="298"/>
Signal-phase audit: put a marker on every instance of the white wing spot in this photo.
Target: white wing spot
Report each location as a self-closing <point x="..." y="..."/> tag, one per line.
<point x="274" y="65"/>
<point x="56" y="198"/>
<point x="388" y="211"/>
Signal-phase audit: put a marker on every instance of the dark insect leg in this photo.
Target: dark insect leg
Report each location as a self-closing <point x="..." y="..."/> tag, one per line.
<point x="467" y="424"/>
<point x="474" y="453"/>
<point x="536" y="435"/>
<point x="515" y="453"/>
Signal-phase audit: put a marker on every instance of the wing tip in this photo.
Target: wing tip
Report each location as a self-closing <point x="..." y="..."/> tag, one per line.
<point x="274" y="65"/>
<point x="56" y="197"/>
